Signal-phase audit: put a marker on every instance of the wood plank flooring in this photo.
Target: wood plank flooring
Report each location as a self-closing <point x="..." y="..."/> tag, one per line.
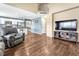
<point x="41" y="45"/>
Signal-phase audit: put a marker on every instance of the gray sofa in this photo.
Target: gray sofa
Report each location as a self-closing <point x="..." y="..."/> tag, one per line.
<point x="12" y="37"/>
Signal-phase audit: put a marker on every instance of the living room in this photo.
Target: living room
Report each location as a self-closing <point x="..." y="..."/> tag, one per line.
<point x="39" y="29"/>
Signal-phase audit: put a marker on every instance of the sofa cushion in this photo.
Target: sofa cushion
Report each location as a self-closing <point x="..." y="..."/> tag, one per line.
<point x="9" y="30"/>
<point x="19" y="35"/>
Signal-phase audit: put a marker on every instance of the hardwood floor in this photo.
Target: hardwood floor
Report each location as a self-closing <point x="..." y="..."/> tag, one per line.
<point x="41" y="45"/>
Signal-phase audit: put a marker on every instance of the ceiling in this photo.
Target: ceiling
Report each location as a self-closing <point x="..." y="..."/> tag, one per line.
<point x="41" y="8"/>
<point x="10" y="11"/>
<point x="31" y="10"/>
<point x="32" y="7"/>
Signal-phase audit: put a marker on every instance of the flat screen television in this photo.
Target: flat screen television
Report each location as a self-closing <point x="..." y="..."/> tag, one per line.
<point x="70" y="25"/>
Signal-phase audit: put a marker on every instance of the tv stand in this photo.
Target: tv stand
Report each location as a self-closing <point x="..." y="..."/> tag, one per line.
<point x="66" y="35"/>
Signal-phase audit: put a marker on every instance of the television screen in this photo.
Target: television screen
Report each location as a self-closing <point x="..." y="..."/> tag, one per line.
<point x="66" y="25"/>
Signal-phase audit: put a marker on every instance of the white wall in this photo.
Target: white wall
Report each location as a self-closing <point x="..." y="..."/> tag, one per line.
<point x="67" y="15"/>
<point x="43" y="24"/>
<point x="49" y="26"/>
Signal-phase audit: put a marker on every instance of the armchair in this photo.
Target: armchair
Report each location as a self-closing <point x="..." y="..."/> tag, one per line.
<point x="12" y="37"/>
